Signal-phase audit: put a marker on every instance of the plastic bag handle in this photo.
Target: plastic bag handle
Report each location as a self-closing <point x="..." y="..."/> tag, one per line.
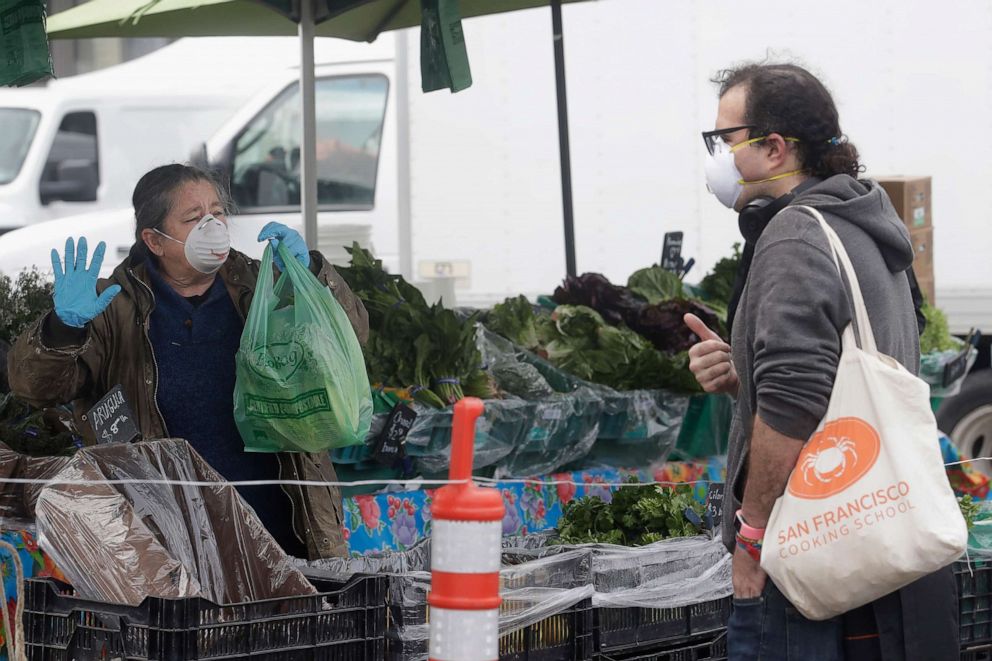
<point x="264" y="286"/>
<point x="843" y="262"/>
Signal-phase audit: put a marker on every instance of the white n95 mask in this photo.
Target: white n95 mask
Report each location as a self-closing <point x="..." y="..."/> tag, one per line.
<point x="207" y="246"/>
<point x="723" y="179"/>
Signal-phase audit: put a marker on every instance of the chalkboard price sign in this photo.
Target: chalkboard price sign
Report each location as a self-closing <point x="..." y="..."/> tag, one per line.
<point x="714" y="504"/>
<point x="112" y="419"/>
<point x="388" y="448"/>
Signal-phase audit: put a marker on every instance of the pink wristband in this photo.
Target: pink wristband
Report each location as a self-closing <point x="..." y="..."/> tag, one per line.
<point x="747" y="531"/>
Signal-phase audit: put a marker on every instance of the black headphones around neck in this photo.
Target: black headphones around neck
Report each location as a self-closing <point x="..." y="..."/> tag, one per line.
<point x="758" y="212"/>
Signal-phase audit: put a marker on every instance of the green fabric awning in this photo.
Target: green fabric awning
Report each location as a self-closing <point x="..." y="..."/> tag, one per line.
<point x="357" y="20"/>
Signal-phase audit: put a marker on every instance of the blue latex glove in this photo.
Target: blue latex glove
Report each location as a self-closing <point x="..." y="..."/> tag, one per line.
<point x="276" y="232"/>
<point x="76" y="301"/>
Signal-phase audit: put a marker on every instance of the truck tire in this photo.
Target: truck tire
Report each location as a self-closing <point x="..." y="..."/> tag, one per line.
<point x="967" y="419"/>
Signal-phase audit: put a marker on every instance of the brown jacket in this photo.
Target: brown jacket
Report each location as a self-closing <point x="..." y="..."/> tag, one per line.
<point x="117" y="349"/>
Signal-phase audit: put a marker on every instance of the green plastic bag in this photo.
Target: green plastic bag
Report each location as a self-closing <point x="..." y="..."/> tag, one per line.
<point x="301" y="380"/>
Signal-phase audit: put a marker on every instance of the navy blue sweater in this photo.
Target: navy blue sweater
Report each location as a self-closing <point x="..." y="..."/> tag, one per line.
<point x="195" y="340"/>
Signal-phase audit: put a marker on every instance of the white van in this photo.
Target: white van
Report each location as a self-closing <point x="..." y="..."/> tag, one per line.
<point x="79" y="144"/>
<point x="71" y="153"/>
<point x="257" y="150"/>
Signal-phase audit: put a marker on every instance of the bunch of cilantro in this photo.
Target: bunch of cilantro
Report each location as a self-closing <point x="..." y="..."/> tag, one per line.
<point x="639" y="514"/>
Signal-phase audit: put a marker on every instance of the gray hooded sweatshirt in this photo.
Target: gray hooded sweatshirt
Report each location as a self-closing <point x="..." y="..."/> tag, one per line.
<point x="792" y="311"/>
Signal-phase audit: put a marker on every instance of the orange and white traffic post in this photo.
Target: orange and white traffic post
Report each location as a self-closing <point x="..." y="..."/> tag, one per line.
<point x="465" y="554"/>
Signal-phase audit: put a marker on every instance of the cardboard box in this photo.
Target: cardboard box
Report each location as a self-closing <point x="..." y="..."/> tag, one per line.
<point x="923" y="250"/>
<point x="911" y="198"/>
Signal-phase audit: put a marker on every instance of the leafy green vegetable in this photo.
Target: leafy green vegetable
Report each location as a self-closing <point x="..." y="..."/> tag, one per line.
<point x="521" y="379"/>
<point x="638" y="515"/>
<point x="35" y="432"/>
<point x="608" y="334"/>
<point x="937" y="335"/>
<point x="969" y="510"/>
<point x="515" y="319"/>
<point x="581" y="343"/>
<point x="428" y="348"/>
<point x="661" y="323"/>
<point x="22" y="301"/>
<point x="656" y="285"/>
<point x="718" y="285"/>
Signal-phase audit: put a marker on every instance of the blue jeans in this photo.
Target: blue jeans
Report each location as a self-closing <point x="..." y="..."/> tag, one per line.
<point x="769" y="628"/>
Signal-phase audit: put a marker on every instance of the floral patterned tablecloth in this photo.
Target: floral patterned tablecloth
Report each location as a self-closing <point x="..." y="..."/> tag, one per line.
<point x="965" y="479"/>
<point x="36" y="565"/>
<point x="398" y="520"/>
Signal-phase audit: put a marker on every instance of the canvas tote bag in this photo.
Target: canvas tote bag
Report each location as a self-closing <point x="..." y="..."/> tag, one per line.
<point x="868" y="508"/>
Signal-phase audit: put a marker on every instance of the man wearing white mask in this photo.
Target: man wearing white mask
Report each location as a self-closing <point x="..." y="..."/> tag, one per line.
<point x="166" y="326"/>
<point x="778" y="144"/>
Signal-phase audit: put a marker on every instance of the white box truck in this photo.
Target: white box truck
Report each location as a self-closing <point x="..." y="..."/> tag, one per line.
<point x="80" y="143"/>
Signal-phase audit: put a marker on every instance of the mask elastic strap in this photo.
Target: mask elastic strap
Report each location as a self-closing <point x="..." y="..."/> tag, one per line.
<point x="775" y="178"/>
<point x="157" y="231"/>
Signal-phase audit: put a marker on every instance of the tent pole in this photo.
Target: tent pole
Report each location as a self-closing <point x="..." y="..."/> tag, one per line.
<point x="563" y="139"/>
<point x="402" y="97"/>
<point x="308" y="146"/>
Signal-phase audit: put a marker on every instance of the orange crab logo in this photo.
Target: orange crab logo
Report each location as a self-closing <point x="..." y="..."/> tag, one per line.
<point x="835" y="458"/>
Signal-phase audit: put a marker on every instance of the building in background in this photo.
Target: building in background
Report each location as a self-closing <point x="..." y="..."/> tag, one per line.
<point x="74" y="56"/>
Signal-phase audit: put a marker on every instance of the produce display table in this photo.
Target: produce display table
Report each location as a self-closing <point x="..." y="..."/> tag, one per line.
<point x="396" y="521"/>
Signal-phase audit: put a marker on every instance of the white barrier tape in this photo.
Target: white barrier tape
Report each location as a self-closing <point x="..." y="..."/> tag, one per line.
<point x="223" y="483"/>
<point x="410" y="484"/>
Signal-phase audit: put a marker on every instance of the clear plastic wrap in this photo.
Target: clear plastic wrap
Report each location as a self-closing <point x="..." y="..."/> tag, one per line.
<point x="564" y="429"/>
<point x="932" y="371"/>
<point x="551" y="420"/>
<point x="120" y="543"/>
<point x="504" y="426"/>
<point x="522" y="606"/>
<point x="630" y="428"/>
<point x="538" y="581"/>
<point x="645" y="426"/>
<point x="668" y="574"/>
<point x="980" y="534"/>
<point x="415" y="558"/>
<point x="18" y="501"/>
<point x="519" y="379"/>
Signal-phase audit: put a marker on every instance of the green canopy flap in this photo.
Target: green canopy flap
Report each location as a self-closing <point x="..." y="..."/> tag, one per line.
<point x="24" y="54"/>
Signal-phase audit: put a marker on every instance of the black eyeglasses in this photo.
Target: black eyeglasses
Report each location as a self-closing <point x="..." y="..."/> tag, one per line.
<point x="711" y="137"/>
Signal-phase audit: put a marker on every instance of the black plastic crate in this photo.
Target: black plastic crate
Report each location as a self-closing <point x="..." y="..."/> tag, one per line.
<point x="343" y="623"/>
<point x="622" y="629"/>
<point x="710" y="647"/>
<point x="565" y="636"/>
<point x="974" y="602"/>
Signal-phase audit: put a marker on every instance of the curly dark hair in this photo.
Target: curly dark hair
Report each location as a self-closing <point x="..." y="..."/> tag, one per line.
<point x="789" y="100"/>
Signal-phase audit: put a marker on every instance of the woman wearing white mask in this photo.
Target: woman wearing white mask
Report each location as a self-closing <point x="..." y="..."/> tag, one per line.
<point x="166" y="326"/>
